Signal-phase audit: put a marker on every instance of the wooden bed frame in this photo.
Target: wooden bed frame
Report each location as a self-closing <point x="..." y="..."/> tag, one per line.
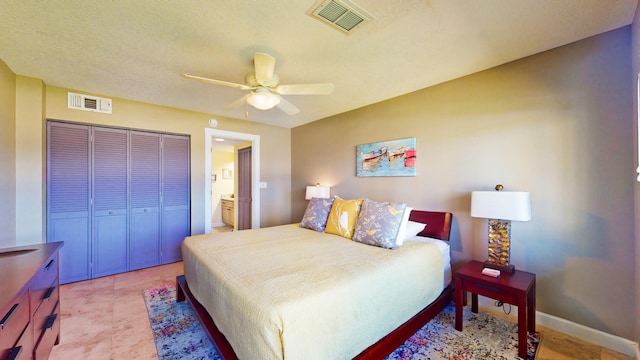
<point x="439" y="227"/>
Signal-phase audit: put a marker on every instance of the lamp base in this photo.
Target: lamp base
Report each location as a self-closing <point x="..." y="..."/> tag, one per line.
<point x="503" y="269"/>
<point x="499" y="246"/>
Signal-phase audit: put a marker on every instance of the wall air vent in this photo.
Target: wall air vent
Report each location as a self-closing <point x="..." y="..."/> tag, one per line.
<point x="88" y="103"/>
<point x="341" y="15"/>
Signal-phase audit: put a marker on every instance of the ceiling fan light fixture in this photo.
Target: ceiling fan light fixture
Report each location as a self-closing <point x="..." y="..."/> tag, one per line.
<point x="266" y="88"/>
<point x="263" y="99"/>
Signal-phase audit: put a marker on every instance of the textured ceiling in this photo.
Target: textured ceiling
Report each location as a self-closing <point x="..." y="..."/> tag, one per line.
<point x="138" y="49"/>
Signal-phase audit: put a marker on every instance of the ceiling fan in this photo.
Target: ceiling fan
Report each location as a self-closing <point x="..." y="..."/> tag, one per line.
<point x="265" y="87"/>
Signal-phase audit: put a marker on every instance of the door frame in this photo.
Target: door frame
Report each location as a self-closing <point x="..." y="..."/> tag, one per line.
<point x="209" y="135"/>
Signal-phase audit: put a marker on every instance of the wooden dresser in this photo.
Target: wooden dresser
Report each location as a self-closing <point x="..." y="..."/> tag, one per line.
<point x="29" y="301"/>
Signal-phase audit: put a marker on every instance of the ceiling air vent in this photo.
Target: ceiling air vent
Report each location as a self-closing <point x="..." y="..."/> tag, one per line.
<point x="341" y="15"/>
<point x="88" y="103"/>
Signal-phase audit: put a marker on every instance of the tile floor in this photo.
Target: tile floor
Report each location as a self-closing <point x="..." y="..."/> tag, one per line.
<point x="221" y="229"/>
<point x="106" y="318"/>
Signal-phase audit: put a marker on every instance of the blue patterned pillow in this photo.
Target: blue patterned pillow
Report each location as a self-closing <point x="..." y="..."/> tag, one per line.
<point x="378" y="223"/>
<point x="315" y="217"/>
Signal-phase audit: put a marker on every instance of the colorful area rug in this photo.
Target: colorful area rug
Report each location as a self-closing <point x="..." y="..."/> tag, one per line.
<point x="178" y="334"/>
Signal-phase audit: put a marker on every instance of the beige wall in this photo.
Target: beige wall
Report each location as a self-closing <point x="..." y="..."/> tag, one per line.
<point x="29" y="160"/>
<point x="275" y="151"/>
<point x="557" y="124"/>
<point x="7" y="156"/>
<point x="636" y="80"/>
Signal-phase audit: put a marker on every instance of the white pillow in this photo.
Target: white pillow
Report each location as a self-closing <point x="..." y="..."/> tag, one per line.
<point x="403" y="225"/>
<point x="411" y="230"/>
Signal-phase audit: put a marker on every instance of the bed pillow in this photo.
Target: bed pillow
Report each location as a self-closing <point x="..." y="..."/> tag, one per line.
<point x="378" y="223"/>
<point x="403" y="226"/>
<point x="412" y="230"/>
<point x="342" y="218"/>
<point x="315" y="217"/>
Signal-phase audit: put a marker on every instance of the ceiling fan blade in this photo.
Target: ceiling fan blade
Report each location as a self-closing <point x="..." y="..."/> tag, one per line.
<point x="218" y="82"/>
<point x="287" y="107"/>
<point x="305" y="89"/>
<point x="264" y="64"/>
<point x="238" y="103"/>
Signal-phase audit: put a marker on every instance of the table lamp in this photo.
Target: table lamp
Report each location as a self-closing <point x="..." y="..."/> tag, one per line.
<point x="500" y="207"/>
<point x="317" y="191"/>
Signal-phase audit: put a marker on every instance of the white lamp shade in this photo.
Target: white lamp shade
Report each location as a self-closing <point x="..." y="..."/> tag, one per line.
<point x="317" y="191"/>
<point x="504" y="205"/>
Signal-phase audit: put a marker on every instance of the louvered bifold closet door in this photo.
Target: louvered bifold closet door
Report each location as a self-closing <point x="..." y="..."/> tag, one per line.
<point x="110" y="167"/>
<point x="68" y="191"/>
<point x="176" y="219"/>
<point x="145" y="200"/>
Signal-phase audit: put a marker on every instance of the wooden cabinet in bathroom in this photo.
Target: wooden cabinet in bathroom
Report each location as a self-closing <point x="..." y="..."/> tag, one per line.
<point x="227" y="212"/>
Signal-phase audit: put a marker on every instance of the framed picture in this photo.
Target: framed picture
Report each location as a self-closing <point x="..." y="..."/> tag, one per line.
<point x="387" y="158"/>
<point x="227" y="173"/>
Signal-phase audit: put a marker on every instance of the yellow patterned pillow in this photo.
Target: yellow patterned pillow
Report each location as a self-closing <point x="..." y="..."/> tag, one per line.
<point x="342" y="218"/>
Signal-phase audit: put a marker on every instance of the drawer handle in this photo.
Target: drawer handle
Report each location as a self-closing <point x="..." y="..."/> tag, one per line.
<point x="49" y="292"/>
<point x="50" y="321"/>
<point x="6" y="318"/>
<point x="49" y="264"/>
<point x="14" y="353"/>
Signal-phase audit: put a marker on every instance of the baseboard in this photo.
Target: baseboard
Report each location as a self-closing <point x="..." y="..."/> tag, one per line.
<point x="218" y="224"/>
<point x="591" y="335"/>
<point x="600" y="338"/>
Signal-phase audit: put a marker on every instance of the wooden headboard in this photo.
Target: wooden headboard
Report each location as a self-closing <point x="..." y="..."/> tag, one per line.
<point x="438" y="223"/>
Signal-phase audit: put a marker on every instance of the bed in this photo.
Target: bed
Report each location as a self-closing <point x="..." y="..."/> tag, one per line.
<point x="269" y="294"/>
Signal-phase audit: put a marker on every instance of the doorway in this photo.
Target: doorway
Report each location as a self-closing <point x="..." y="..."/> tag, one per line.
<point x="210" y="135"/>
<point x="223" y="184"/>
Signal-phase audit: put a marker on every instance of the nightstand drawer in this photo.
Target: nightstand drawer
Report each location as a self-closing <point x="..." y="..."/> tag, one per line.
<point x="490" y="291"/>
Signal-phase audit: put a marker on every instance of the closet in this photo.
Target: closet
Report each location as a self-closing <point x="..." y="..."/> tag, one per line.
<point x="118" y="198"/>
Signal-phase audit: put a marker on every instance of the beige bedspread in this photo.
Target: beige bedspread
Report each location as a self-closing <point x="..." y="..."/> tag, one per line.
<point x="290" y="293"/>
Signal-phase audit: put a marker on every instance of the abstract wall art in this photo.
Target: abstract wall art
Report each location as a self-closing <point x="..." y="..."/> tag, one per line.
<point x="387" y="158"/>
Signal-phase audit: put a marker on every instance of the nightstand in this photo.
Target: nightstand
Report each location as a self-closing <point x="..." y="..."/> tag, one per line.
<point x="518" y="288"/>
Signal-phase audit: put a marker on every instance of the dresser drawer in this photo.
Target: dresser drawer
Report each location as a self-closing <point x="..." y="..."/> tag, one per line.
<point x="29" y="298"/>
<point x="14" y="318"/>
<point x="46" y="331"/>
<point x="47" y="308"/>
<point x="23" y="349"/>
<point x="43" y="280"/>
